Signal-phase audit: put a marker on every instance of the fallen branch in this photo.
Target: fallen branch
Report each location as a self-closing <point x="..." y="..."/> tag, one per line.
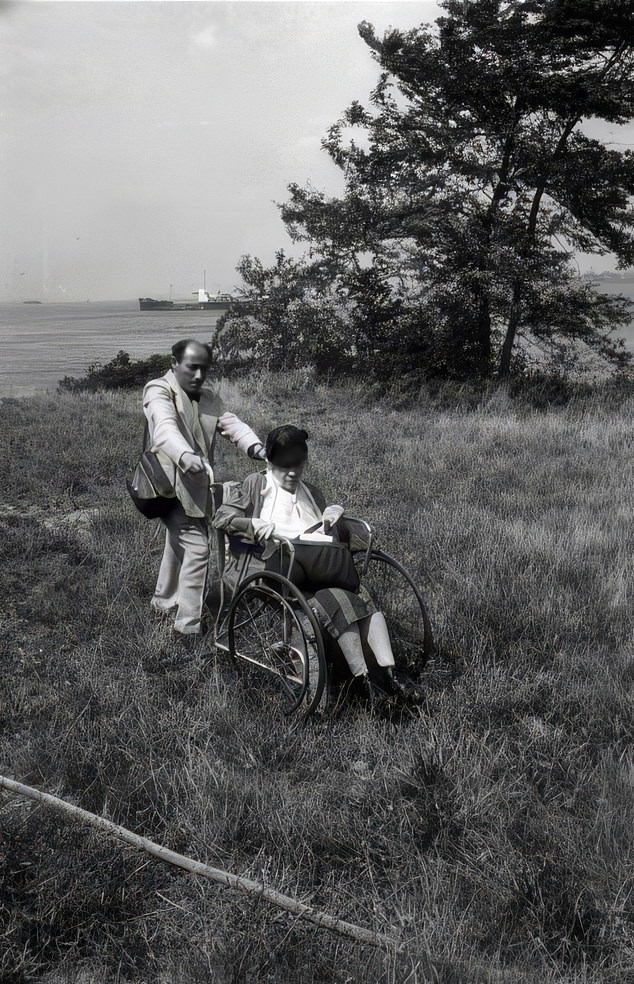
<point x="226" y="878"/>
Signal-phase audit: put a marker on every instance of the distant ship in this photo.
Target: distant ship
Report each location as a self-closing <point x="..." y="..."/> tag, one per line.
<point x="205" y="302"/>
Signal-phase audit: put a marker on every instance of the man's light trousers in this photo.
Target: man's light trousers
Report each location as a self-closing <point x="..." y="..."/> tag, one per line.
<point x="183" y="572"/>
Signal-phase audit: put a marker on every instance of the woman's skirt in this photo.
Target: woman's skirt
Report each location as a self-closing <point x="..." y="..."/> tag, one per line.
<point x="328" y="578"/>
<point x="337" y="609"/>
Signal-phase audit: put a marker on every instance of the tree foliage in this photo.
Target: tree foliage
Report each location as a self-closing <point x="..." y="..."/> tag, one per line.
<point x="122" y="372"/>
<point x="282" y="319"/>
<point x="470" y="183"/>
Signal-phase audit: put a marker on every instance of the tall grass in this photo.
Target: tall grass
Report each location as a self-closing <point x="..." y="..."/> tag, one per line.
<point x="492" y="831"/>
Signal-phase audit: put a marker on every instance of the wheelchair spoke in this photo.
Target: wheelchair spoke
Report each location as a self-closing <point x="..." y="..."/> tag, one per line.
<point x="393" y="591"/>
<point x="274" y="635"/>
<point x="264" y="633"/>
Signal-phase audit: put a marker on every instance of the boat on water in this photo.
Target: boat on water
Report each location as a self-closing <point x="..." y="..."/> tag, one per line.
<point x="205" y="302"/>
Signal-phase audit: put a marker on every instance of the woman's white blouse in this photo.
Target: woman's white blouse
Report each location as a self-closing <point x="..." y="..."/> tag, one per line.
<point x="290" y="512"/>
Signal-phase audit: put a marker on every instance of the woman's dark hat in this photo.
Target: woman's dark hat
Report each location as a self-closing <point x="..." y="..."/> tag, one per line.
<point x="286" y="446"/>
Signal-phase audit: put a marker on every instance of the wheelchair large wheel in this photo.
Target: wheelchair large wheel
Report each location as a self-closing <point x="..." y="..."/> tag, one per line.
<point x="394" y="592"/>
<point x="275" y="639"/>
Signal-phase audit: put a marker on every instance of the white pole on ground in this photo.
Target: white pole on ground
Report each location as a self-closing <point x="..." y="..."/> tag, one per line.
<point x="322" y="919"/>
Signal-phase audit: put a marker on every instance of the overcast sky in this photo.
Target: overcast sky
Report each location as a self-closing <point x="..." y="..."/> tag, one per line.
<point x="143" y="143"/>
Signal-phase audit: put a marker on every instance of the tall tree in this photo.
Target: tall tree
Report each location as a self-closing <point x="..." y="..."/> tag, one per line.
<point x="470" y="180"/>
<point x="282" y="319"/>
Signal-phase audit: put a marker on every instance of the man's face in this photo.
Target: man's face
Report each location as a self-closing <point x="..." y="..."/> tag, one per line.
<point x="192" y="370"/>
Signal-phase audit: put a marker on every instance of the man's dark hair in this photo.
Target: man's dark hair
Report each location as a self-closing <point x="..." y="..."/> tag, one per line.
<point x="178" y="348"/>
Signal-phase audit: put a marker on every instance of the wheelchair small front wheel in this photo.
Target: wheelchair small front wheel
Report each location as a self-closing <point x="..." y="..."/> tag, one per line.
<point x="275" y="638"/>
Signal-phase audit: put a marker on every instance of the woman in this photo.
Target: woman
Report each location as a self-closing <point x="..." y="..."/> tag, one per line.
<point x="279" y="502"/>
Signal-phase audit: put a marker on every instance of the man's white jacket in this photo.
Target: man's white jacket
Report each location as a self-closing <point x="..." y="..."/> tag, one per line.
<point x="174" y="428"/>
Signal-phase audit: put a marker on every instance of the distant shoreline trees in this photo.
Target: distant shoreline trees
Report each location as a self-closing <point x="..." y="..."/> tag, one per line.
<point x="469" y="187"/>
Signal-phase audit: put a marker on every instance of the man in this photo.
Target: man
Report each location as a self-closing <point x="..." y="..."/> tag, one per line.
<point x="183" y="420"/>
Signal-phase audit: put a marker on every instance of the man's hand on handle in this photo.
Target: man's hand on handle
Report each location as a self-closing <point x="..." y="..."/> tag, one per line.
<point x="192" y="463"/>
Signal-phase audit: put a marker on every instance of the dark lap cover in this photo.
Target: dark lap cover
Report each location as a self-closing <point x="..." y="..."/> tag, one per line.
<point x="320" y="565"/>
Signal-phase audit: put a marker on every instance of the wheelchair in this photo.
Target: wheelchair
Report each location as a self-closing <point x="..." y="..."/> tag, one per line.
<point x="266" y="625"/>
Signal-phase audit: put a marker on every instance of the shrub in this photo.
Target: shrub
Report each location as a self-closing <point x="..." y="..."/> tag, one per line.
<point x="120" y="373"/>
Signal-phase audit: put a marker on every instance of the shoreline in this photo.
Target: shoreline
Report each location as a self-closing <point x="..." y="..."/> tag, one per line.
<point x="44" y="343"/>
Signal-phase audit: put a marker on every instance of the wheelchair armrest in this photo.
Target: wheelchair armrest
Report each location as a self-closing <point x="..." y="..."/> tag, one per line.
<point x="356" y="533"/>
<point x="282" y="544"/>
<point x="239" y="546"/>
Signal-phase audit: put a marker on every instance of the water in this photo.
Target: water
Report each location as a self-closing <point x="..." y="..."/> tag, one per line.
<point x="41" y="343"/>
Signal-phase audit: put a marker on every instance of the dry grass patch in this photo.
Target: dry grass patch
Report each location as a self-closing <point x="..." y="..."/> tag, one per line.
<point x="492" y="830"/>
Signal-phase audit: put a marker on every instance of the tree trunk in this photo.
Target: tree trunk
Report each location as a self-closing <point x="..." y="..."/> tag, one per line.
<point x="531" y="228"/>
<point x="506" y="353"/>
<point x="483" y="331"/>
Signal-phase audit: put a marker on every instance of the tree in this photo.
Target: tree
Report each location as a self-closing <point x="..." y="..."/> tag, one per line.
<point x="282" y="319"/>
<point x="470" y="182"/>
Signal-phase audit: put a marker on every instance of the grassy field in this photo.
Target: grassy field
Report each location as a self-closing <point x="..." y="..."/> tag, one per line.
<point x="491" y="833"/>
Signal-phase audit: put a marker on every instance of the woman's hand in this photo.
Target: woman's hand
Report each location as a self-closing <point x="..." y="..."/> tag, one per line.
<point x="331" y="515"/>
<point x="262" y="529"/>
